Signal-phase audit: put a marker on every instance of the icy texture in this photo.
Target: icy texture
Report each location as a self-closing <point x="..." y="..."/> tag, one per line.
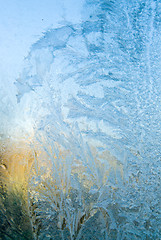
<point x="94" y="91"/>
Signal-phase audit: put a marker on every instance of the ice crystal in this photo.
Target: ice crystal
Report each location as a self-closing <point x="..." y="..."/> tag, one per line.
<point x="93" y="90"/>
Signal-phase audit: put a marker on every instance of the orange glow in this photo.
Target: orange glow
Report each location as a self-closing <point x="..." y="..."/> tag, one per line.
<point x="16" y="162"/>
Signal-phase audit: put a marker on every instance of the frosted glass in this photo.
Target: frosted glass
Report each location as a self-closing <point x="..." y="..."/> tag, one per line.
<point x="89" y="111"/>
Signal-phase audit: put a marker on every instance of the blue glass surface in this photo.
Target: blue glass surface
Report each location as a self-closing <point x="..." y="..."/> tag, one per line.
<point x="90" y="95"/>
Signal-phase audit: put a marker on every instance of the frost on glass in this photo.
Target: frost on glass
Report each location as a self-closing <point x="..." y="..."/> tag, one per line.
<point x="93" y="92"/>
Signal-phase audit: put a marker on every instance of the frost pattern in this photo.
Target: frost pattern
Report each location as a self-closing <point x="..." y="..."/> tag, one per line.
<point x="96" y="100"/>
